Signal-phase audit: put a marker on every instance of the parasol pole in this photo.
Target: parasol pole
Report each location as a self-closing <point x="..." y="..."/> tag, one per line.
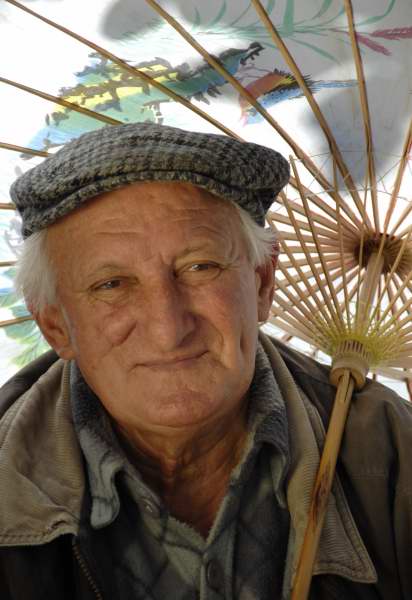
<point x="322" y="487"/>
<point x="349" y="369"/>
<point x="348" y="372"/>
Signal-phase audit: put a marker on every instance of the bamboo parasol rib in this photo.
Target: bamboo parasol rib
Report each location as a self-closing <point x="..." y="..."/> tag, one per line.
<point x="16" y="321"/>
<point x="7" y="263"/>
<point x="403" y="216"/>
<point x="326" y="222"/>
<point x="61" y="102"/>
<point x="371" y="174"/>
<point x="24" y="150"/>
<point x="402" y="166"/>
<point x="328" y="210"/>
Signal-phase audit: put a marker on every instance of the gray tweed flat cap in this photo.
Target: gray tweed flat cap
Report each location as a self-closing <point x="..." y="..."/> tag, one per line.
<point x="115" y="156"/>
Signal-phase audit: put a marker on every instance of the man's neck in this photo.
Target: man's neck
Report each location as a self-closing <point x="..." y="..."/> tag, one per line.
<point x="190" y="472"/>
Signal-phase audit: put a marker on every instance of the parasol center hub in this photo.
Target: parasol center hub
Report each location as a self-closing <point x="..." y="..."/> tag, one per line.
<point x="369" y="246"/>
<point x="353" y="356"/>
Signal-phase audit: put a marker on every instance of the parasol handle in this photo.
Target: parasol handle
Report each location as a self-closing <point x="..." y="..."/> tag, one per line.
<point x="323" y="485"/>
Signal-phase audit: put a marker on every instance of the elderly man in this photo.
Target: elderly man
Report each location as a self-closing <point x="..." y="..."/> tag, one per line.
<point x="167" y="449"/>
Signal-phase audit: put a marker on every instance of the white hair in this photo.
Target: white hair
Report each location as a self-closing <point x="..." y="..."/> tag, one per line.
<point x="36" y="278"/>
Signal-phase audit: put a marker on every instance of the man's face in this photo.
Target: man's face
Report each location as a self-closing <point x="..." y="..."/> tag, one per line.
<point x="160" y="303"/>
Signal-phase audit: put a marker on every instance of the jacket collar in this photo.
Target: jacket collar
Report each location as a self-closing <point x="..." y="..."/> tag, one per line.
<point x="41" y="467"/>
<point x="341" y="550"/>
<point x="42" y="475"/>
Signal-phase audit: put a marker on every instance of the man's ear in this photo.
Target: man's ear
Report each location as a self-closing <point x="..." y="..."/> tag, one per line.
<point x="266" y="287"/>
<point x="54" y="327"/>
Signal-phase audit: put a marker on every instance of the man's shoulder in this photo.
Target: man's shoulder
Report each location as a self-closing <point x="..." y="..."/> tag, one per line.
<point x="24" y="379"/>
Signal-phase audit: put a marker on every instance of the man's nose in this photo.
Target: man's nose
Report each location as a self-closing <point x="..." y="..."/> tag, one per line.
<point x="169" y="317"/>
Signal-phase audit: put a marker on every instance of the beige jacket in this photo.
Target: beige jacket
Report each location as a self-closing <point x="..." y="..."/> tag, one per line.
<point x="42" y="479"/>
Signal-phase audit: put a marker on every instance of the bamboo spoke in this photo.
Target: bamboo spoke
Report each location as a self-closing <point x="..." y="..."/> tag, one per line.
<point x="373" y="273"/>
<point x="332" y="256"/>
<point x="333" y="261"/>
<point x="384" y="326"/>
<point x="303" y="305"/>
<point x="406" y="351"/>
<point x="324" y="234"/>
<point x="404" y="231"/>
<point x="354" y="289"/>
<point x="7" y="206"/>
<point x="310" y="289"/>
<point x="291" y="330"/>
<point x="126" y="67"/>
<point x="329" y="243"/>
<point x="390" y="275"/>
<point x="330" y="250"/>
<point x="405" y="213"/>
<point x="341" y="255"/>
<point x="22" y="149"/>
<point x="392" y="373"/>
<point x="325" y="222"/>
<point x="336" y="315"/>
<point x="390" y="293"/>
<point x="405" y="363"/>
<point x="287" y="316"/>
<point x="406" y="335"/>
<point x="333" y="276"/>
<point x="344" y="286"/>
<point x="402" y="166"/>
<point x="397" y="281"/>
<point x="360" y="260"/>
<point x="406" y="308"/>
<point x="55" y="99"/>
<point x="7" y="263"/>
<point x="365" y="112"/>
<point x="334" y="273"/>
<point x="15" y="321"/>
<point x="331" y="211"/>
<point x="300" y="301"/>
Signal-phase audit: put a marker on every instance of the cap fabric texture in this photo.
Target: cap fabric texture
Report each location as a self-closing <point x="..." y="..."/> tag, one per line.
<point x="115" y="156"/>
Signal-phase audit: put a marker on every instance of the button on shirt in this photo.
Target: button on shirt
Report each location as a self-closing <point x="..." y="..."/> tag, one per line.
<point x="139" y="550"/>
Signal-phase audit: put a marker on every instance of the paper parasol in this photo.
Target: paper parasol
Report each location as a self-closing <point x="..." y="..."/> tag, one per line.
<point x="328" y="87"/>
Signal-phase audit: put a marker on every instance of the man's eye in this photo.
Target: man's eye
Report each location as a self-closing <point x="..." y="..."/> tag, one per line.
<point x="199" y="272"/>
<point x="202" y="267"/>
<point x="109" y="285"/>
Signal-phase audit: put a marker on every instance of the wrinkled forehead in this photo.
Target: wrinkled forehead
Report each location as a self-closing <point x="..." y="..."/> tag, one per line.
<point x="148" y="207"/>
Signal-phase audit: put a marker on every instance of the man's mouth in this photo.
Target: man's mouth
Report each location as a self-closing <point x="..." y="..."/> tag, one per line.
<point x="177" y="362"/>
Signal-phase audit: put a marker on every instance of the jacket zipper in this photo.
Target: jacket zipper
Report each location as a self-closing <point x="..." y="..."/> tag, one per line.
<point x="85" y="570"/>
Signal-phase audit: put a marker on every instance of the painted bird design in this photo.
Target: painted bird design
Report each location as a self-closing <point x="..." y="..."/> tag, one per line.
<point x="106" y="88"/>
<point x="279" y="86"/>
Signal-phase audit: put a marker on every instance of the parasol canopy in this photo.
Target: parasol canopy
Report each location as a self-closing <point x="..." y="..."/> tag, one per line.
<point x="326" y="82"/>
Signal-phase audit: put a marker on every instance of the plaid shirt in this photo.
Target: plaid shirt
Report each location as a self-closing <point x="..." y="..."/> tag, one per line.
<point x="142" y="551"/>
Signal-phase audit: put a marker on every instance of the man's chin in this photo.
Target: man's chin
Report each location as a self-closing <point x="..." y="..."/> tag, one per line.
<point x="184" y="409"/>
